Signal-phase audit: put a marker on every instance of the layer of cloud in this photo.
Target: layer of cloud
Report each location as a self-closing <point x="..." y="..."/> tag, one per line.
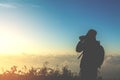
<point x="110" y="68"/>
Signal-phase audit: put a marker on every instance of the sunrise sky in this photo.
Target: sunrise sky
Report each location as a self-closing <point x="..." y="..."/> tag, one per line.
<point x="43" y="27"/>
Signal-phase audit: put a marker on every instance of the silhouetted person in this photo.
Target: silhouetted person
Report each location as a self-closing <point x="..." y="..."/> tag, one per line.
<point x="92" y="55"/>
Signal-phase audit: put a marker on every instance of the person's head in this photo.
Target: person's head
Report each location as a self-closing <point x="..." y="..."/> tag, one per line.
<point x="91" y="34"/>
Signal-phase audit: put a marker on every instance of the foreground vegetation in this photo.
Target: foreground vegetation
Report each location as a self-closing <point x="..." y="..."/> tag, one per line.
<point x="43" y="73"/>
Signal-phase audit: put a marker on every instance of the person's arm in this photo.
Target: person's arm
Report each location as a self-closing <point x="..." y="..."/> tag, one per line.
<point x="80" y="46"/>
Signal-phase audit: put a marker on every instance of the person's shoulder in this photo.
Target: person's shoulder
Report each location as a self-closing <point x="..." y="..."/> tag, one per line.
<point x="98" y="43"/>
<point x="100" y="47"/>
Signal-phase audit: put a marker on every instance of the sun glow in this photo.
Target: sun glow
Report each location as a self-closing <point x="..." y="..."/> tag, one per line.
<point x="13" y="41"/>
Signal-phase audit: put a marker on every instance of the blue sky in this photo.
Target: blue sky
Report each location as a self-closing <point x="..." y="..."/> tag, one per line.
<point x="31" y="28"/>
<point x="55" y="25"/>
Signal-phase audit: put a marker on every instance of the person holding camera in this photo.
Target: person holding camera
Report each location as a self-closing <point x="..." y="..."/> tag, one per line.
<point x="92" y="54"/>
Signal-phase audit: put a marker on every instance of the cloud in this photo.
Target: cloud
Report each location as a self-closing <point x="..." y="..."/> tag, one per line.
<point x="7" y="5"/>
<point x="115" y="60"/>
<point x="35" y="6"/>
<point x="110" y="68"/>
<point x="112" y="60"/>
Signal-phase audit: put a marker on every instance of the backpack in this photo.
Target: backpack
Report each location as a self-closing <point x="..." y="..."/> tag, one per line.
<point x="100" y="56"/>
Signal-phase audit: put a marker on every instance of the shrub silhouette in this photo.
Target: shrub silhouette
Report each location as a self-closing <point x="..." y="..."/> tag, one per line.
<point x="43" y="73"/>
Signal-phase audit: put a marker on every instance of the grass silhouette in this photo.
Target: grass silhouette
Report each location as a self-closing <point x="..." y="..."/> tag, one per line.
<point x="43" y="73"/>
